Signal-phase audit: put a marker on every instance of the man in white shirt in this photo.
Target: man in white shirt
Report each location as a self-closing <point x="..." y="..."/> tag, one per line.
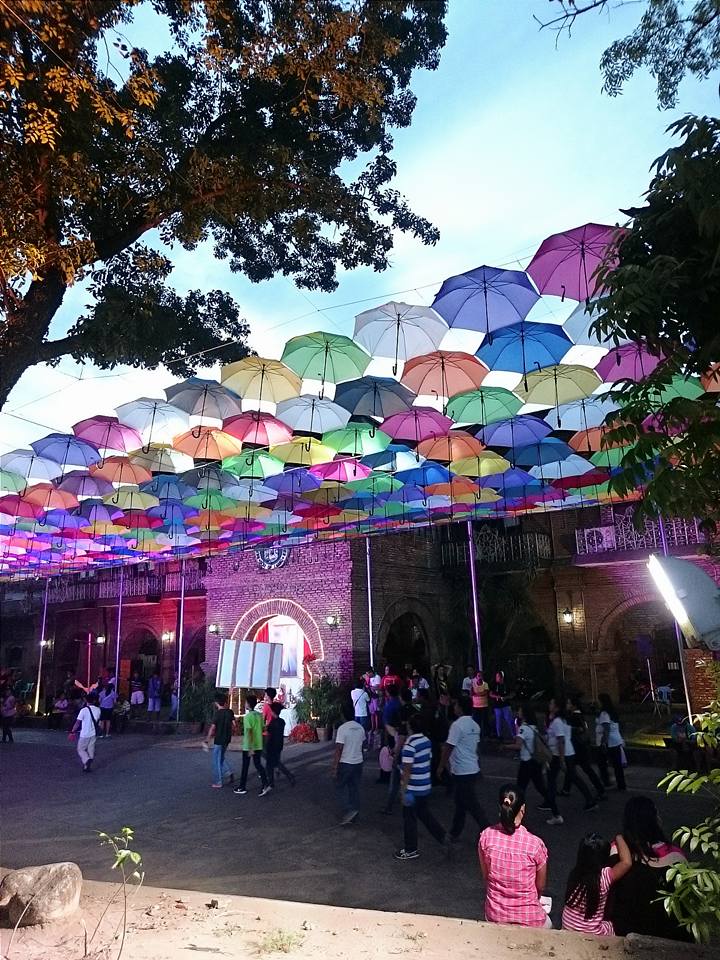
<point x="347" y="766"/>
<point x="559" y="738"/>
<point x="361" y="702"/>
<point x="86" y="728"/>
<point x="460" y="751"/>
<point x="468" y="681"/>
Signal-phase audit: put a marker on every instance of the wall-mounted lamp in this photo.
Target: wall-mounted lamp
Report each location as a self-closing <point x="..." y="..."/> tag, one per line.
<point x="567" y="615"/>
<point x="332" y="620"/>
<point x="43" y="643"/>
<point x="100" y="640"/>
<point x="167" y="636"/>
<point x="213" y="628"/>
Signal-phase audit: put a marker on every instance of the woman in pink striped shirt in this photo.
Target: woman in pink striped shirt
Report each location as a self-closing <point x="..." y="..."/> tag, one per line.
<point x="589" y="884"/>
<point x="513" y="862"/>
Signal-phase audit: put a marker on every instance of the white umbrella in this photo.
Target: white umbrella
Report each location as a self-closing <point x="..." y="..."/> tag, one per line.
<point x="31" y="465"/>
<point x="312" y="415"/>
<point x="399" y="331"/>
<point x="155" y="420"/>
<point x="577" y="327"/>
<point x="204" y="400"/>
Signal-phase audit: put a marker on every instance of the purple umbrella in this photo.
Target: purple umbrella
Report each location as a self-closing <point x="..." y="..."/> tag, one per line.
<point x="515" y="432"/>
<point x="485" y="299"/>
<point x="565" y="263"/>
<point x="417" y="424"/>
<point x="83" y="485"/>
<point x="293" y="482"/>
<point x="633" y="361"/>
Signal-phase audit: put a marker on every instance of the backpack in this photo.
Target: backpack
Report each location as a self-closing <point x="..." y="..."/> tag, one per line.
<point x="541" y="751"/>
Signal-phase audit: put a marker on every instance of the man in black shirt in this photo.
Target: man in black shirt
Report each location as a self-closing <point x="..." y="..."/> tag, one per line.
<point x="274" y="743"/>
<point x="220" y="732"/>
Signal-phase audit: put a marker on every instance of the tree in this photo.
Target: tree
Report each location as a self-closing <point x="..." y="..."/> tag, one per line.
<point x="243" y="133"/>
<point x="672" y="38"/>
<point x="662" y="289"/>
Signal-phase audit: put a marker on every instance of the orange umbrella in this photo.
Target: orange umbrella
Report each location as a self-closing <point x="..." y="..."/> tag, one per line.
<point x="596" y="438"/>
<point x="121" y="470"/>
<point x="456" y="445"/>
<point x="48" y="497"/>
<point x="443" y="373"/>
<point x="207" y="443"/>
<point x="711" y="379"/>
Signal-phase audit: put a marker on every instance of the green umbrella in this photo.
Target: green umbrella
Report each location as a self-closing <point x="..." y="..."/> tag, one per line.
<point x="375" y="483"/>
<point x="679" y="386"/>
<point x="357" y="439"/>
<point x="610" y="457"/>
<point x="484" y="405"/>
<point x="255" y="465"/>
<point x="210" y="500"/>
<point x="327" y="357"/>
<point x="15" y="483"/>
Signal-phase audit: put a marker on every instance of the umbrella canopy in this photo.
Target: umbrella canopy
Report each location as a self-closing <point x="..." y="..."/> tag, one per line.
<point x="357" y="439"/>
<point x="120" y="470"/>
<point x="632" y="361"/>
<point x="308" y="414"/>
<point x="710" y="381"/>
<point x="341" y="471"/>
<point x="524" y="346"/>
<point x="549" y="450"/>
<point x="258" y="429"/>
<point x="416" y="425"/>
<point x="515" y="432"/>
<point x="11" y="482"/>
<point x="443" y="373"/>
<point x="254" y="464"/>
<point x="161" y="459"/>
<point x="485" y="464"/>
<point x="565" y="263"/>
<point x="563" y="383"/>
<point x="485" y="299"/>
<point x="581" y="414"/>
<point x="396" y="456"/>
<point x="28" y="464"/>
<point x="399" y="331"/>
<point x="107" y="433"/>
<point x="83" y="485"/>
<point x="484" y="405"/>
<point x="304" y="451"/>
<point x="327" y="357"/>
<point x="453" y="446"/>
<point x="66" y="449"/>
<point x="204" y="400"/>
<point x="257" y="379"/>
<point x="378" y="397"/>
<point x="207" y="443"/>
<point x="155" y="420"/>
<point x="577" y="326"/>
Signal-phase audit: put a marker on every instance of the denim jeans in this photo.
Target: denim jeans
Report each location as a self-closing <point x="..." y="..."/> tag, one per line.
<point x="221" y="768"/>
<point x="348" y="786"/>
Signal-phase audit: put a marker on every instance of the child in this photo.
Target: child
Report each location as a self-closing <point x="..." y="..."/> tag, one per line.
<point x="252" y="746"/>
<point x="274" y="742"/>
<point x="589" y="884"/>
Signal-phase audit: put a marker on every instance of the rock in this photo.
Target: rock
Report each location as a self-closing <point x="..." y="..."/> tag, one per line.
<point x="50" y="892"/>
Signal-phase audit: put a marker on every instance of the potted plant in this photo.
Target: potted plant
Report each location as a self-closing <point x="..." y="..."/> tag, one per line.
<point x="319" y="705"/>
<point x="196" y="705"/>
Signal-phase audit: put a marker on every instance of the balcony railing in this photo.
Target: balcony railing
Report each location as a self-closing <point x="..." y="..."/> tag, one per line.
<point x="622" y="535"/>
<point x="136" y="585"/>
<point x="495" y="548"/>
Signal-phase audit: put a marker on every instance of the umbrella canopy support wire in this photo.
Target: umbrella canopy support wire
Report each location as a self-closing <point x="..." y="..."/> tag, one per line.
<point x="371" y="631"/>
<point x="42" y="645"/>
<point x="678" y="634"/>
<point x="119" y="627"/>
<point x="473" y="587"/>
<point x="181" y="627"/>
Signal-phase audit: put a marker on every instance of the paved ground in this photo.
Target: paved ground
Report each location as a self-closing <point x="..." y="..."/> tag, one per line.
<point x="286" y="846"/>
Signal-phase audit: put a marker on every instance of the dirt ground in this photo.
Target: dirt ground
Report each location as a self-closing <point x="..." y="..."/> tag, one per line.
<point x="176" y="924"/>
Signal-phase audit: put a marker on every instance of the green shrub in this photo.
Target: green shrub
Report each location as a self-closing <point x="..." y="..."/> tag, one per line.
<point x="320" y="703"/>
<point x="197" y="702"/>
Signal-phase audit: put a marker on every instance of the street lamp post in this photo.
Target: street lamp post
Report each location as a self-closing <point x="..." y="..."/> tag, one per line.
<point x="43" y="644"/>
<point x="181" y="625"/>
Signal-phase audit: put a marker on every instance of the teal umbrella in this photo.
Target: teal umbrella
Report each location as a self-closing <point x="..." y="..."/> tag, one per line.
<point x="327" y="357"/>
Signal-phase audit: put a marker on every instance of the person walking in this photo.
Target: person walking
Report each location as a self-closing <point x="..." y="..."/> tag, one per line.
<point x="480" y="692"/>
<point x="460" y="751"/>
<point x="274" y="743"/>
<point x="415" y="789"/>
<point x="529" y="770"/>
<point x="589" y="884"/>
<point x="580" y="736"/>
<point x="513" y="863"/>
<point x="501" y="708"/>
<point x="610" y="743"/>
<point x="347" y="766"/>
<point x="559" y="737"/>
<point x="220" y="733"/>
<point x="107" y="698"/>
<point x="398" y="733"/>
<point x="252" y="747"/>
<point x="8" y="712"/>
<point x="86" y="730"/>
<point x="361" y="704"/>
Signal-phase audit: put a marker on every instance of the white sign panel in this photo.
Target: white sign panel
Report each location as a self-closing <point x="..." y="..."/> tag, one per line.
<point x="244" y="663"/>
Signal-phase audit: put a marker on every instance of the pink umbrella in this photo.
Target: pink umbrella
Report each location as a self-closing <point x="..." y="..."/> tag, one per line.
<point x="107" y="433"/>
<point x="343" y="470"/>
<point x="416" y="424"/>
<point x="260" y="429"/>
<point x="632" y="361"/>
<point x="565" y="262"/>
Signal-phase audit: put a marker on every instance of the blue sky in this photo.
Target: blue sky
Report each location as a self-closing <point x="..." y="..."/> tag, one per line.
<point x="512" y="140"/>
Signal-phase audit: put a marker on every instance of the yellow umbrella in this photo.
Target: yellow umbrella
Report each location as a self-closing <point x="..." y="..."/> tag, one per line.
<point x="559" y="384"/>
<point x="255" y="378"/>
<point x="130" y="498"/>
<point x="485" y="464"/>
<point x="303" y="451"/>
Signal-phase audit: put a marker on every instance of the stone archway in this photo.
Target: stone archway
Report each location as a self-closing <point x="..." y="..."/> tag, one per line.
<point x="265" y="610"/>
<point x="408" y="612"/>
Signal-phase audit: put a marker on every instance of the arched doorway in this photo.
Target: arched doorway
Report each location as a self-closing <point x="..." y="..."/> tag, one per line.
<point x="141" y="648"/>
<point x="406" y="645"/>
<point x="296" y="649"/>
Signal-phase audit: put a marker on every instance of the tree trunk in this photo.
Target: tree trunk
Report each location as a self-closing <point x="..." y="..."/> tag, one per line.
<point x="25" y="329"/>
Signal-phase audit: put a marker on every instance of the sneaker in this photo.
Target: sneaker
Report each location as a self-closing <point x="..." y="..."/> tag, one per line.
<point x="545" y="807"/>
<point x="589" y="807"/>
<point x="407" y="854"/>
<point x="216" y="786"/>
<point x="266" y="790"/>
<point x="555" y="821"/>
<point x="241" y="791"/>
<point x="88" y="765"/>
<point x="349" y="818"/>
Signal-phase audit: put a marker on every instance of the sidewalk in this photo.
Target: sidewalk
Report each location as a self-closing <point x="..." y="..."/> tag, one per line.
<point x="174" y="924"/>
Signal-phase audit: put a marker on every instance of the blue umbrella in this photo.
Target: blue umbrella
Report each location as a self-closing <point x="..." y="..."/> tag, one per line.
<point x="579" y="322"/>
<point x="515" y="432"/>
<point x="379" y="397"/>
<point x="293" y="482"/>
<point x="549" y="450"/>
<point x="66" y="448"/>
<point x="510" y="479"/>
<point x="396" y="455"/>
<point x="525" y="346"/>
<point x="424" y="475"/>
<point x="486" y="299"/>
<point x="581" y="414"/>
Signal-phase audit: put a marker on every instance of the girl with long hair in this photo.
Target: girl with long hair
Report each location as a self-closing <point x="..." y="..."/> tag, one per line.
<point x="589" y="884"/>
<point x="513" y="862"/>
<point x="609" y="742"/>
